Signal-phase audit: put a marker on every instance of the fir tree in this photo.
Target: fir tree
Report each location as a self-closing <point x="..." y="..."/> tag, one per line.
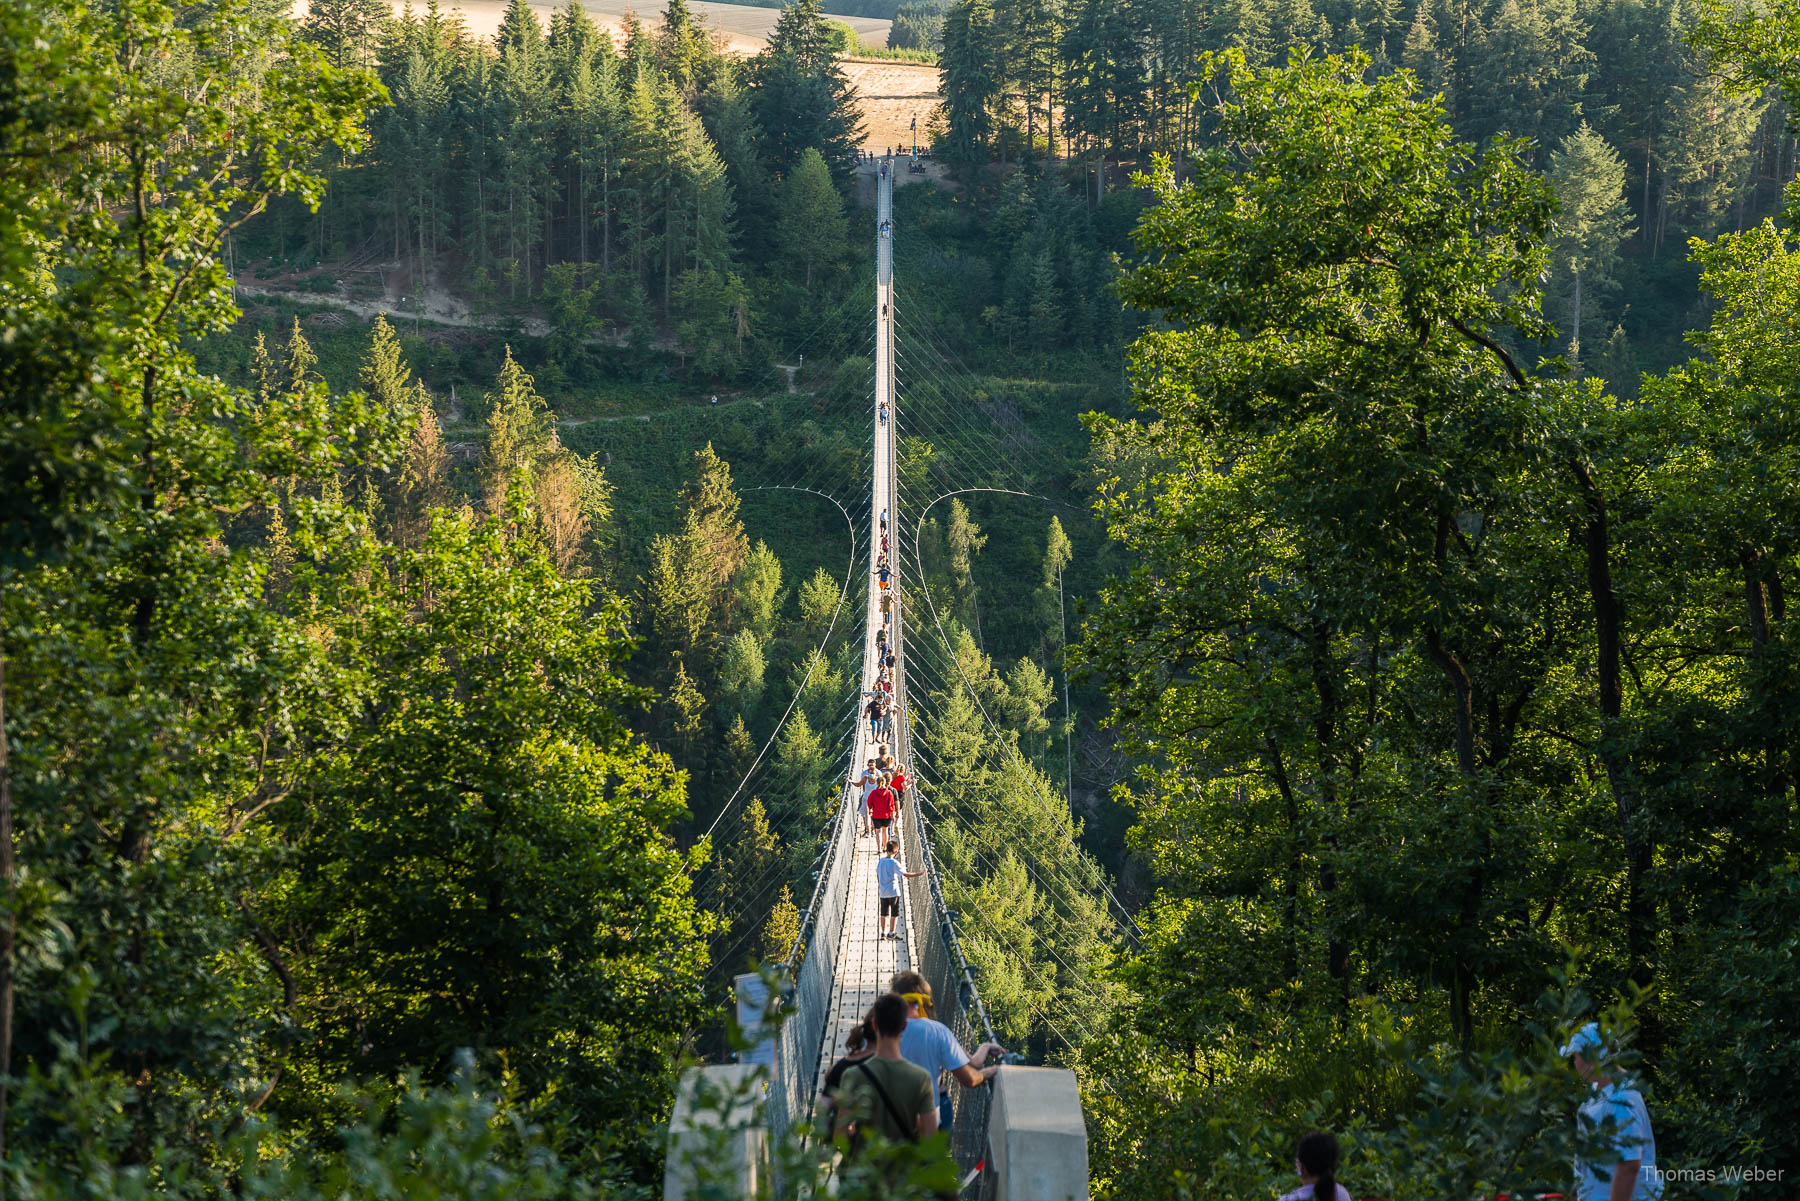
<point x="1589" y="177"/>
<point x="301" y="368"/>
<point x="812" y="232"/>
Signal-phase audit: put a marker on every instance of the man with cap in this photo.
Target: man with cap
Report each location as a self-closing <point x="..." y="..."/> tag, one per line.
<point x="1614" y="1110"/>
<point x="933" y="1046"/>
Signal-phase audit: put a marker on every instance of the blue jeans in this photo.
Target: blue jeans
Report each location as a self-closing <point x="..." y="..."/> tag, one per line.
<point x="946" y="1113"/>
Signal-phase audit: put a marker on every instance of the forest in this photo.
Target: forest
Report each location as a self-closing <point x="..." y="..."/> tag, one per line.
<point x="428" y="621"/>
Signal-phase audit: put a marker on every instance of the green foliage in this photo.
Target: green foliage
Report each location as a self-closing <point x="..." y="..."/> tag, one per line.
<point x="1589" y="178"/>
<point x="801" y="96"/>
<point x="1385" y="652"/>
<point x="811" y="232"/>
<point x="299" y="807"/>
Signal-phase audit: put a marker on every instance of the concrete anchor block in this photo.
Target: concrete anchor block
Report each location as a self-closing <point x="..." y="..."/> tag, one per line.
<point x="718" y="1131"/>
<point x="1037" y="1138"/>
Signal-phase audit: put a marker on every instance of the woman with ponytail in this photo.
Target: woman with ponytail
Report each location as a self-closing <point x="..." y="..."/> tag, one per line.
<point x="859" y="1044"/>
<point x="1316" y="1159"/>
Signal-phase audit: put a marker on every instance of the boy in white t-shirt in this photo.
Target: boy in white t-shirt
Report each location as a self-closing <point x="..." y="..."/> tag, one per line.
<point x="888" y="874"/>
<point x="1627" y="1169"/>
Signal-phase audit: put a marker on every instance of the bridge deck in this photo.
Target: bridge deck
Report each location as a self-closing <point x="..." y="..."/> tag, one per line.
<point x="866" y="961"/>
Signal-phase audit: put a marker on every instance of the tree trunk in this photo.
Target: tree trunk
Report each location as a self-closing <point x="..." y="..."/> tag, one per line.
<point x="9" y="923"/>
<point x="1608" y="614"/>
<point x="1756" y="600"/>
<point x="1575" y="320"/>
<point x="1337" y="952"/>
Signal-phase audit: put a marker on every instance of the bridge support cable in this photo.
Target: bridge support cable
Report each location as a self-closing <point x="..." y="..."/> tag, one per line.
<point x="959" y="431"/>
<point x="1053" y="809"/>
<point x="818" y="655"/>
<point x="839" y="963"/>
<point x="1060" y="887"/>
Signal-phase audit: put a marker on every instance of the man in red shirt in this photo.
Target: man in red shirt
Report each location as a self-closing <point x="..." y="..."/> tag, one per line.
<point x="882" y="804"/>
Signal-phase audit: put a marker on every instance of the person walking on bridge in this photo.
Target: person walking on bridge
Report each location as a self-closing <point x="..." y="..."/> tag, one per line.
<point x="888" y="874"/>
<point x="933" y="1047"/>
<point x="886" y="1095"/>
<point x="873" y="712"/>
<point x="864" y="785"/>
<point x="882" y="804"/>
<point x="859" y="1044"/>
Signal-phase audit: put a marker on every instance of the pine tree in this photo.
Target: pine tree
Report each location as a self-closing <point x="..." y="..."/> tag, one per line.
<point x="965" y="541"/>
<point x="1059" y="552"/>
<point x="1244" y="25"/>
<point x="416" y="127"/>
<point x="1422" y="55"/>
<point x="1106" y="94"/>
<point x="424" y="475"/>
<point x="520" y="431"/>
<point x="812" y="232"/>
<point x="802" y="97"/>
<point x="681" y="48"/>
<point x="742" y="665"/>
<point x="1044" y="320"/>
<point x="685" y="707"/>
<point x="344" y="29"/>
<point x="1030" y="32"/>
<point x="1296" y="23"/>
<point x="758" y="589"/>
<point x="818" y="602"/>
<point x="740" y="751"/>
<point x="1589" y="177"/>
<point x="301" y="369"/>
<point x="711" y="525"/>
<point x="520" y="95"/>
<point x="782" y="929"/>
<point x="384" y="377"/>
<point x="278" y="552"/>
<point x="972" y="80"/>
<point x="1529" y="74"/>
<point x="727" y="112"/>
<point x="675" y="597"/>
<point x="262" y="371"/>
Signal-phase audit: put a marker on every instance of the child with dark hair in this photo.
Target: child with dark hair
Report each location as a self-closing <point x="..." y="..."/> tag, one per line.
<point x="859" y="1044"/>
<point x="1316" y="1160"/>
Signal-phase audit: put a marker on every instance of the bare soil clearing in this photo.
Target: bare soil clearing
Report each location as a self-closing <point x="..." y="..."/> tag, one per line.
<point x="889" y="95"/>
<point x="740" y="28"/>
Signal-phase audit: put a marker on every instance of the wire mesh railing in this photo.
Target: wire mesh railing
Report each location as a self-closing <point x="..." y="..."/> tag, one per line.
<point x="811" y="969"/>
<point x="937" y="951"/>
<point x="938" y="956"/>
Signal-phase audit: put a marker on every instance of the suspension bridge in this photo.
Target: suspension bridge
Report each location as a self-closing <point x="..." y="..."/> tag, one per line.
<point x="1022" y="1136"/>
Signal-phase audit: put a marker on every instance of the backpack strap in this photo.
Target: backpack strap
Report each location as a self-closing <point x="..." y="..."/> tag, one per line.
<point x="911" y="1132"/>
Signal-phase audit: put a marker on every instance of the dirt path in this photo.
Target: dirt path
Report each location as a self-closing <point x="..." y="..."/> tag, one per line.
<point x="439" y="309"/>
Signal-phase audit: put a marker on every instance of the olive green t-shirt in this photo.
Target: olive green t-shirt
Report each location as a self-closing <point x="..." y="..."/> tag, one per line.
<point x="908" y="1087"/>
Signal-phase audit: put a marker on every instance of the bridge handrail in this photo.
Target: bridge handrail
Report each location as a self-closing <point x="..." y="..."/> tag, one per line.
<point x="939" y="958"/>
<point x="807" y="994"/>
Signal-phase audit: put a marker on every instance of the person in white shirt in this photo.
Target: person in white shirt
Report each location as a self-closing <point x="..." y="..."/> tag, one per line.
<point x="1316" y="1163"/>
<point x="888" y="874"/>
<point x="932" y="1046"/>
<point x="1614" y="1110"/>
<point x="864" y="784"/>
